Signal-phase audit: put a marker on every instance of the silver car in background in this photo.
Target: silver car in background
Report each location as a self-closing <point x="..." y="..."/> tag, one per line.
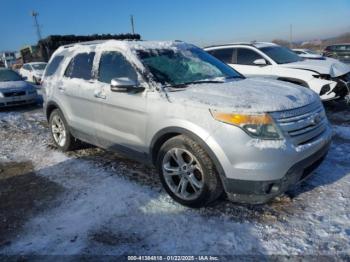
<point x="14" y="91"/>
<point x="206" y="128"/>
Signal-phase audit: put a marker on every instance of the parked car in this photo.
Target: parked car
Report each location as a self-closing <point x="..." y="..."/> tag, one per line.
<point x="329" y="78"/>
<point x="33" y="71"/>
<point x="14" y="90"/>
<point x="308" y="54"/>
<point x="339" y="51"/>
<point x="206" y="128"/>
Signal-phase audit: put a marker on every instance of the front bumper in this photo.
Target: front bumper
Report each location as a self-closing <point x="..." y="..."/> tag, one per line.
<point x="258" y="192"/>
<point x="19" y="100"/>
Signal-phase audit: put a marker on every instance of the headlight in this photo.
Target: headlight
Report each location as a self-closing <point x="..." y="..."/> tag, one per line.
<point x="1" y="95"/>
<point x="258" y="126"/>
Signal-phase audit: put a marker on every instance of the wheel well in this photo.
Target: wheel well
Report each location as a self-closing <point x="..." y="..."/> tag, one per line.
<point x="49" y="110"/>
<point x="159" y="142"/>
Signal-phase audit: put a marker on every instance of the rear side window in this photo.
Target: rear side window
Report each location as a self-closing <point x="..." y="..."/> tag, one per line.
<point x="247" y="56"/>
<point x="225" y="54"/>
<point x="81" y="66"/>
<point x="53" y="65"/>
<point x="114" y="65"/>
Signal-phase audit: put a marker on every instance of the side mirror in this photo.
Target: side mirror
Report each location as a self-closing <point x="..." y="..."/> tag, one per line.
<point x="260" y="62"/>
<point x="24" y="78"/>
<point x="122" y="84"/>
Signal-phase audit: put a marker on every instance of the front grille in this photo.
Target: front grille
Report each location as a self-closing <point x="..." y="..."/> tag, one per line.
<point x="302" y="125"/>
<point x="14" y="93"/>
<point x="13" y="103"/>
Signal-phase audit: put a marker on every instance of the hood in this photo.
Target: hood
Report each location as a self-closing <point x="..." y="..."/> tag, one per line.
<point x="14" y="85"/>
<point x="328" y="66"/>
<point x="247" y="95"/>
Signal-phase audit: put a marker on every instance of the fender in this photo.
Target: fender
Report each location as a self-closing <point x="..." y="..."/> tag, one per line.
<point x="166" y="133"/>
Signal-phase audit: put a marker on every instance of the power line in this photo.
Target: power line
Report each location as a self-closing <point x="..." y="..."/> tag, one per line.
<point x="36" y="24"/>
<point x="291" y="36"/>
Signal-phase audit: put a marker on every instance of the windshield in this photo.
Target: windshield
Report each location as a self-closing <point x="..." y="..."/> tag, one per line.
<point x="39" y="66"/>
<point x="9" y="75"/>
<point x="281" y="55"/>
<point x="184" y="66"/>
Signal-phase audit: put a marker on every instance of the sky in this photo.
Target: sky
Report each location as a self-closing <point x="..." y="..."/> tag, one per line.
<point x="202" y="22"/>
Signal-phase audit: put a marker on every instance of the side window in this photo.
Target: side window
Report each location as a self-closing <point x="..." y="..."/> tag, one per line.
<point x="225" y="54"/>
<point x="247" y="56"/>
<point x="81" y="66"/>
<point x="52" y="67"/>
<point x="298" y="52"/>
<point x="27" y="67"/>
<point x="113" y="65"/>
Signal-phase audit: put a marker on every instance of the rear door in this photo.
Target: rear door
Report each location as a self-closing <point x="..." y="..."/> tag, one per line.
<point x="78" y="89"/>
<point x="123" y="113"/>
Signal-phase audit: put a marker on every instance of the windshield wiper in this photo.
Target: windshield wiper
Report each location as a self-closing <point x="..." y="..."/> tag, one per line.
<point x="182" y="85"/>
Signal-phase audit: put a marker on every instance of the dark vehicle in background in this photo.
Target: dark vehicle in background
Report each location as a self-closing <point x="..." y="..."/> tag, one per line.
<point x="338" y="51"/>
<point x="14" y="90"/>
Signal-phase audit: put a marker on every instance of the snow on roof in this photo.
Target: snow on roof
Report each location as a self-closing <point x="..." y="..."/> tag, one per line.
<point x="34" y="63"/>
<point x="122" y="44"/>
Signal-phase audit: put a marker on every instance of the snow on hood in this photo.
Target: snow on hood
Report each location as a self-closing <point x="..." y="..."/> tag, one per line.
<point x="14" y="85"/>
<point x="328" y="66"/>
<point x="248" y="95"/>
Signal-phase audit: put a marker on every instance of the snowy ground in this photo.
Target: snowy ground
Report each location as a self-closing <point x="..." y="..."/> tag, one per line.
<point x="94" y="202"/>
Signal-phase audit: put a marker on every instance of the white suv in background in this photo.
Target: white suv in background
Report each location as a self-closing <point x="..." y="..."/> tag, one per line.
<point x="33" y="71"/>
<point x="329" y="78"/>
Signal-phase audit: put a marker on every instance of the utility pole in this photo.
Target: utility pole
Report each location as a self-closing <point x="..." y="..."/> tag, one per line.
<point x="291" y="36"/>
<point x="36" y="24"/>
<point x="132" y="24"/>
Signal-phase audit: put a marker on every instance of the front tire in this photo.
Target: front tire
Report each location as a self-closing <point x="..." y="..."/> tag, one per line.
<point x="60" y="131"/>
<point x="187" y="173"/>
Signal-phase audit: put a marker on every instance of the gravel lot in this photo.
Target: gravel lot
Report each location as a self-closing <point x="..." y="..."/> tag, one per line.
<point x="95" y="202"/>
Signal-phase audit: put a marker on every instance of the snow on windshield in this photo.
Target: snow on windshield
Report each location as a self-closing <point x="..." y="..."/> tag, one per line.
<point x="183" y="65"/>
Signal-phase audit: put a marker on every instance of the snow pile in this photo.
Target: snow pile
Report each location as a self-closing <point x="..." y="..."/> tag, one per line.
<point x="103" y="212"/>
<point x="342" y="131"/>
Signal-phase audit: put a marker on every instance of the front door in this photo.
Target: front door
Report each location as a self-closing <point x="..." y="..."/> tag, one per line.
<point x="244" y="63"/>
<point x="124" y="113"/>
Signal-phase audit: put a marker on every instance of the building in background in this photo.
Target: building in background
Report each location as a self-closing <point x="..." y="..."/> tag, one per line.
<point x="8" y="59"/>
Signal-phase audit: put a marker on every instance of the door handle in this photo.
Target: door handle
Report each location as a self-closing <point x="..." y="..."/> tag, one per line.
<point x="99" y="94"/>
<point x="61" y="88"/>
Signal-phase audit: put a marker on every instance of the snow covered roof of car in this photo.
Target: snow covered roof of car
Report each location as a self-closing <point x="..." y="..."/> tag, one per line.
<point x="253" y="43"/>
<point x="130" y="44"/>
<point x="33" y="63"/>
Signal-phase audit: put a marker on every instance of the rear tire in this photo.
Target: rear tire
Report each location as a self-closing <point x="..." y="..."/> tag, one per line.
<point x="60" y="131"/>
<point x="187" y="173"/>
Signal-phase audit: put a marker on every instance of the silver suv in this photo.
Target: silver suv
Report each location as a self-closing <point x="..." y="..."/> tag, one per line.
<point x="205" y="127"/>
